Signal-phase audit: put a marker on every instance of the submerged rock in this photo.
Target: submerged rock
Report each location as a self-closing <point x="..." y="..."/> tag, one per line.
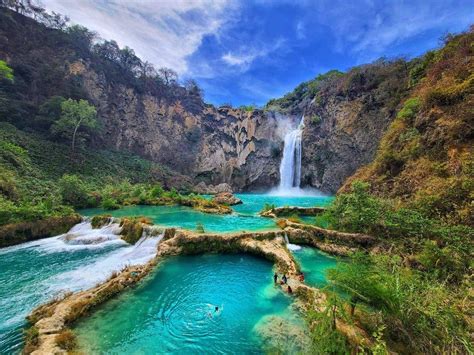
<point x="281" y="334"/>
<point x="226" y="198"/>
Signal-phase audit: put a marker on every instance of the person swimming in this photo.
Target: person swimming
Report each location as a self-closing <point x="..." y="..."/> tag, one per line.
<point x="217" y="310"/>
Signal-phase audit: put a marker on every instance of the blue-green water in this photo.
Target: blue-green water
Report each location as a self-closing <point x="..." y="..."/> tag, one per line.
<point x="245" y="217"/>
<point x="32" y="273"/>
<point x="314" y="264"/>
<point x="174" y="310"/>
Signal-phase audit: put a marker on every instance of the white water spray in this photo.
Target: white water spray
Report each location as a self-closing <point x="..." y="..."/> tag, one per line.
<point x="292" y="247"/>
<point x="290" y="166"/>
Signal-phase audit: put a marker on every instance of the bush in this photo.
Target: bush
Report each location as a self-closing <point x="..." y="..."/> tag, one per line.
<point x="66" y="340"/>
<point x="410" y="109"/>
<point x="110" y="204"/>
<point x="267" y="207"/>
<point x="73" y="191"/>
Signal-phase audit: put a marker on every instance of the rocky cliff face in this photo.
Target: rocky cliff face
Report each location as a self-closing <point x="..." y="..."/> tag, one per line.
<point x="345" y="117"/>
<point x="346" y="114"/>
<point x="212" y="145"/>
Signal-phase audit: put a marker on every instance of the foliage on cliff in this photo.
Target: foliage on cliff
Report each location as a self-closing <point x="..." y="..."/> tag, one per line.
<point x="425" y="158"/>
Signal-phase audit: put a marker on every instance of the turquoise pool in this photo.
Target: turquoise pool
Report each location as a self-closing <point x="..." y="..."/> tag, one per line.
<point x="245" y="217"/>
<point x="314" y="265"/>
<point x="173" y="311"/>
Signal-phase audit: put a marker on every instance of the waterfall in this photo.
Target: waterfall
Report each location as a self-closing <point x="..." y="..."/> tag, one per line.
<point x="290" y="166"/>
<point x="292" y="247"/>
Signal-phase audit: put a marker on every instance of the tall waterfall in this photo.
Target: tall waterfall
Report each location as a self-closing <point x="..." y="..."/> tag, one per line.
<point x="290" y="166"/>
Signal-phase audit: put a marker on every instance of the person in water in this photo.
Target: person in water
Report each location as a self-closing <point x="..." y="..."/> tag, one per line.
<point x="284" y="279"/>
<point x="275" y="278"/>
<point x="216" y="309"/>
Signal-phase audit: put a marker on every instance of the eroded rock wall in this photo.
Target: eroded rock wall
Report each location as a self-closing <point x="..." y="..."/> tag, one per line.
<point x="212" y="145"/>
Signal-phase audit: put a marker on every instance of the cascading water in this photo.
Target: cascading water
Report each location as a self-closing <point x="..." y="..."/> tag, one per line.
<point x="33" y="272"/>
<point x="290" y="166"/>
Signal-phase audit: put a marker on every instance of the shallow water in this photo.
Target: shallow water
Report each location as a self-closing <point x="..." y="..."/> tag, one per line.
<point x="33" y="273"/>
<point x="174" y="310"/>
<point x="245" y="217"/>
<point x="314" y="265"/>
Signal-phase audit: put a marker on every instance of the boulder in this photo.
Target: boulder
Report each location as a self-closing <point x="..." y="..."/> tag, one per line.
<point x="226" y="198"/>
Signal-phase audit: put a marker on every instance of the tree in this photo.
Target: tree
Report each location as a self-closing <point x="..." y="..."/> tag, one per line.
<point x="77" y="117"/>
<point x="73" y="191"/>
<point x="5" y="71"/>
<point x="168" y="75"/>
<point x="193" y="88"/>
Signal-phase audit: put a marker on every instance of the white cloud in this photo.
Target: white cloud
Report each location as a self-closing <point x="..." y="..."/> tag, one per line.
<point x="300" y="30"/>
<point x="245" y="56"/>
<point x="164" y="33"/>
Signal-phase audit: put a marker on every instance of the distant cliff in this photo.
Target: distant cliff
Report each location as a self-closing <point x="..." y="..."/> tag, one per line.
<point x="345" y="116"/>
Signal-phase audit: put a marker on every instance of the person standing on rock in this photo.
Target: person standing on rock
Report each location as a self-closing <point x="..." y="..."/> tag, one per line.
<point x="275" y="278"/>
<point x="284" y="279"/>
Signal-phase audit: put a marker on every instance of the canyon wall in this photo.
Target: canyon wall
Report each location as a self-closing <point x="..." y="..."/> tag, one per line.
<point x="345" y="113"/>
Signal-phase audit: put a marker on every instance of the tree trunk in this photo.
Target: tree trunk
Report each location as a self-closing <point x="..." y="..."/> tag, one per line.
<point x="74" y="134"/>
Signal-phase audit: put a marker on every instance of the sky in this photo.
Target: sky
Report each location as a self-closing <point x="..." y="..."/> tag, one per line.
<point x="249" y="51"/>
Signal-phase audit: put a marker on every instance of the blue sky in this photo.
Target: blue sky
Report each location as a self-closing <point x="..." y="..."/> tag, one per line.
<point x="247" y="52"/>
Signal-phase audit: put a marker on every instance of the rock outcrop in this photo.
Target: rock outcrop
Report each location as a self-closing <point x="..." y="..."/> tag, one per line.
<point x="292" y="210"/>
<point x="226" y="198"/>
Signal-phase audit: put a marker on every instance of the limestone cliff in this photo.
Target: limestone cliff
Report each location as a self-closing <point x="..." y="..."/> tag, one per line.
<point x="212" y="145"/>
<point x="345" y="117"/>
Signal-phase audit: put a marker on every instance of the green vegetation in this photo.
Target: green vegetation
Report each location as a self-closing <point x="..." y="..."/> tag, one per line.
<point x="415" y="291"/>
<point x="5" y="71"/>
<point x="268" y="206"/>
<point x="425" y="159"/>
<point x="132" y="228"/>
<point x="77" y="117"/>
<point x="306" y="90"/>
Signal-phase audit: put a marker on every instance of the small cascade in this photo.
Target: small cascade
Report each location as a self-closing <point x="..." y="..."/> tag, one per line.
<point x="290" y="166"/>
<point x="83" y="233"/>
<point x="98" y="271"/>
<point x="290" y="246"/>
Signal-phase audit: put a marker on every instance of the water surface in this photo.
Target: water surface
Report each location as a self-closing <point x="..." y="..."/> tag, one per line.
<point x="245" y="217"/>
<point x="173" y="311"/>
<point x="314" y="264"/>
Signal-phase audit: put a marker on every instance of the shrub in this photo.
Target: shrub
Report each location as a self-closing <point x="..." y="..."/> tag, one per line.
<point x="110" y="204"/>
<point x="416" y="310"/>
<point x="156" y="191"/>
<point x="410" y="109"/>
<point x="66" y="340"/>
<point x="316" y="119"/>
<point x="73" y="191"/>
<point x="267" y="207"/>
